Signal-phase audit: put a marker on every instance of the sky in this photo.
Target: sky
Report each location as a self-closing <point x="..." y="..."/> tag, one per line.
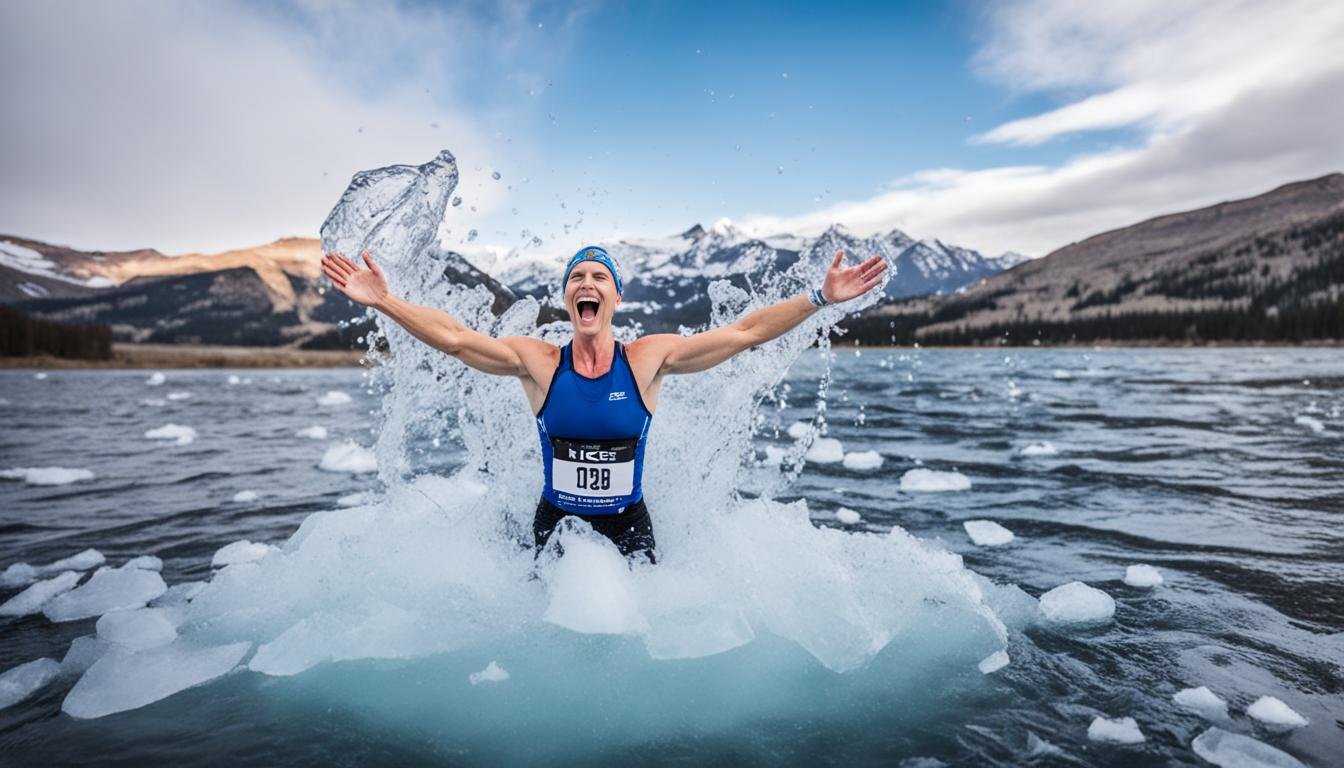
<point x="1020" y="125"/>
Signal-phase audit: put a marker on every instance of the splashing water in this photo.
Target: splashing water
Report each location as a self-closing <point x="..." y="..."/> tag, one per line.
<point x="752" y="614"/>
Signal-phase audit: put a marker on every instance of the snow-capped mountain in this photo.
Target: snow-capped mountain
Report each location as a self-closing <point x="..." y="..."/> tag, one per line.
<point x="667" y="278"/>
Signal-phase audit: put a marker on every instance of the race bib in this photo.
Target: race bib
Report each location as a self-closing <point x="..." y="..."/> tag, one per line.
<point x="593" y="469"/>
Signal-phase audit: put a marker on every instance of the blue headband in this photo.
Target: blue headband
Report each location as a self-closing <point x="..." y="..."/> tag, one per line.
<point x="592" y="253"/>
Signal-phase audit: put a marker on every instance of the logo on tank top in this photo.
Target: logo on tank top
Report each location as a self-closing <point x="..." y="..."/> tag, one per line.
<point x="616" y="396"/>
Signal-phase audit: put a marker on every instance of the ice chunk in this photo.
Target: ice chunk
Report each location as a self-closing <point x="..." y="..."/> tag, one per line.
<point x="242" y="551"/>
<point x="124" y="679"/>
<point x="863" y="460"/>
<point x="47" y="475"/>
<point x="19" y="574"/>
<point x="179" y="594"/>
<point x="82" y="561"/>
<point x="182" y="434"/>
<point x="32" y="599"/>
<point x="82" y="653"/>
<point x="333" y="397"/>
<point x="233" y="380"/>
<point x="178" y="395"/>
<point x="1060" y="373"/>
<point x="493" y="673"/>
<point x="153" y="402"/>
<point x="1142" y="576"/>
<point x="1076" y="602"/>
<point x="1233" y="750"/>
<point x="245" y="497"/>
<point x="847" y="516"/>
<point x="145" y="563"/>
<point x="156" y="379"/>
<point x="111" y="589"/>
<point x="1120" y="730"/>
<point x="1039" y="449"/>
<point x="800" y="429"/>
<point x="1272" y="711"/>
<point x="994" y="662"/>
<point x="348" y="457"/>
<point x="1203" y="702"/>
<point x="933" y="481"/>
<point x="312" y="433"/>
<point x="1038" y="747"/>
<point x="380" y="631"/>
<point x="356" y="499"/>
<point x="1314" y="425"/>
<point x="40" y="375"/>
<point x="18" y="683"/>
<point x="987" y="533"/>
<point x="774" y="456"/>
<point x="826" y="450"/>
<point x="590" y="585"/>
<point x="137" y="629"/>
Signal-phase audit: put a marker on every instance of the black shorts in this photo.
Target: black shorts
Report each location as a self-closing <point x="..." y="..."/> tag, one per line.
<point x="631" y="531"/>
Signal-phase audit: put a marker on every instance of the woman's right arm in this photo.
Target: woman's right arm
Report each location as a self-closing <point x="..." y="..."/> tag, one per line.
<point x="438" y="329"/>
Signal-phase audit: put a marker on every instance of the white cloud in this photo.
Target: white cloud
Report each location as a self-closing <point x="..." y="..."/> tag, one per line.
<point x="1229" y="100"/>
<point x="204" y="126"/>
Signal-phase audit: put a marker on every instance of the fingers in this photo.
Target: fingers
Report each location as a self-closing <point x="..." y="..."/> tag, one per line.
<point x="839" y="257"/>
<point x="372" y="267"/>
<point x="335" y="264"/>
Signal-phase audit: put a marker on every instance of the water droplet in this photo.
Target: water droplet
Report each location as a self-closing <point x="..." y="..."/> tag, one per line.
<point x="772" y="115"/>
<point x="536" y="241"/>
<point x="515" y="211"/>
<point x="433" y="125"/>
<point x="473" y="209"/>
<point x="737" y="147"/>
<point x="471" y="236"/>
<point x="538" y="25"/>
<point x="697" y="51"/>
<point x="786" y="75"/>
<point x="495" y="176"/>
<point x="457" y="201"/>
<point x="816" y="199"/>
<point x="551" y="115"/>
<point x="780" y="170"/>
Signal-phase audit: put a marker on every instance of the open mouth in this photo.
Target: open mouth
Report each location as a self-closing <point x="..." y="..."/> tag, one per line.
<point x="587" y="308"/>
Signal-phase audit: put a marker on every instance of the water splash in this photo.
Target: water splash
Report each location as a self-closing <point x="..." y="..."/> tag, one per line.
<point x="443" y="565"/>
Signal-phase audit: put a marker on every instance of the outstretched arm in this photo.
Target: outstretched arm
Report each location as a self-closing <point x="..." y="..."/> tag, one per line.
<point x="432" y="326"/>
<point x="690" y="354"/>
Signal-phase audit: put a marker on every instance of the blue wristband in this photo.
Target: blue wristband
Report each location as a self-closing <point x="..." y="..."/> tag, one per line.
<point x="817" y="298"/>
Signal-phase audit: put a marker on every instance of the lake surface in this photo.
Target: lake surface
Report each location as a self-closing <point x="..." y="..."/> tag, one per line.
<point x="1222" y="468"/>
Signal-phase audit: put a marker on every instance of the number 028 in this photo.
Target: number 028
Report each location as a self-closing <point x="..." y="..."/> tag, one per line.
<point x="593" y="478"/>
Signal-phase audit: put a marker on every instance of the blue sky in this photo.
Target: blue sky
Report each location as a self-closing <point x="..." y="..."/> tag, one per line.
<point x="1016" y="125"/>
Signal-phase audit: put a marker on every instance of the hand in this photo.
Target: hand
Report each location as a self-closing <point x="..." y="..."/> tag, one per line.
<point x="844" y="284"/>
<point x="367" y="287"/>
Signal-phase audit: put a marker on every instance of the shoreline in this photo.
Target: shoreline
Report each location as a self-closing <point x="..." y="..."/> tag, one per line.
<point x="197" y="356"/>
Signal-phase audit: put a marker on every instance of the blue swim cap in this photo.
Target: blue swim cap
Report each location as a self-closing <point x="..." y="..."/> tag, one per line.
<point x="592" y="253"/>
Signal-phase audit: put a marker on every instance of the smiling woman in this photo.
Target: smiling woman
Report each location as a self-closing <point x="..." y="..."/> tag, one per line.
<point x="594" y="398"/>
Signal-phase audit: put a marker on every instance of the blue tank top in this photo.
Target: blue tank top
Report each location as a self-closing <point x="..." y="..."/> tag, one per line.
<point x="592" y="438"/>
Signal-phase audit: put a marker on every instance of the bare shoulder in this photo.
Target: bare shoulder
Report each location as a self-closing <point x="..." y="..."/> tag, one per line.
<point x="653" y="347"/>
<point x="533" y="352"/>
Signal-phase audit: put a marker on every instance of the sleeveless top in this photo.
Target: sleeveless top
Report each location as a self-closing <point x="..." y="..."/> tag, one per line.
<point x="593" y="433"/>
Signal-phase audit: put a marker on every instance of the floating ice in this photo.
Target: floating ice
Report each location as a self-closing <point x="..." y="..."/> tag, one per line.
<point x="145" y="562"/>
<point x="1076" y="602"/>
<point x="233" y="380"/>
<point x="242" y="551"/>
<point x="312" y="433"/>
<point x="32" y="599"/>
<point x="1039" y="449"/>
<point x="800" y="429"/>
<point x="847" y="516"/>
<point x="774" y="455"/>
<point x="182" y="434"/>
<point x="987" y="533"/>
<point x="993" y="662"/>
<point x="349" y="457"/>
<point x="178" y="594"/>
<point x="333" y="397"/>
<point x="245" y="497"/>
<point x="153" y="402"/>
<point x="156" y="379"/>
<point x="826" y="450"/>
<point x="46" y="475"/>
<point x="83" y="651"/>
<point x="1060" y="373"/>
<point x="137" y="629"/>
<point x="1233" y="750"/>
<point x="18" y="683"/>
<point x="493" y="673"/>
<point x="1145" y="576"/>
<point x="590" y="585"/>
<point x="19" y="574"/>
<point x="178" y="396"/>
<point x="1203" y="702"/>
<point x="1120" y="730"/>
<point x="863" y="460"/>
<point x="40" y="375"/>
<point x="110" y="589"/>
<point x="933" y="481"/>
<point x="123" y="679"/>
<point x="1271" y="711"/>
<point x="82" y="561"/>
<point x="356" y="499"/>
<point x="1038" y="747"/>
<point x="1315" y="425"/>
